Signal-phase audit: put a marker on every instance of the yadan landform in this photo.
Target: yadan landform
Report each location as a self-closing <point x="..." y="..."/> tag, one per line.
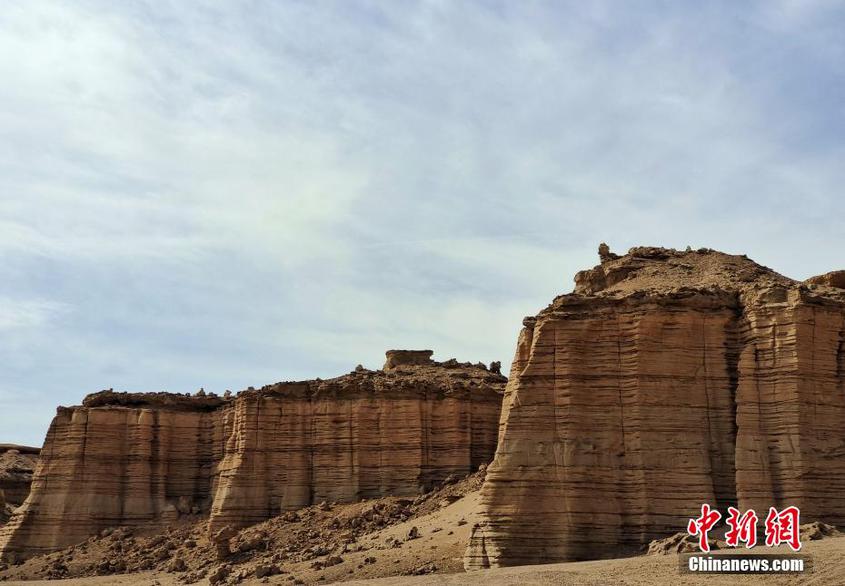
<point x="665" y="380"/>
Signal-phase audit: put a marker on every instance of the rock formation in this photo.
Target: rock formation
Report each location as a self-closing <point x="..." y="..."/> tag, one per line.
<point x="17" y="464"/>
<point x="398" y="431"/>
<point x="666" y="380"/>
<point x="832" y="279"/>
<point x="123" y="459"/>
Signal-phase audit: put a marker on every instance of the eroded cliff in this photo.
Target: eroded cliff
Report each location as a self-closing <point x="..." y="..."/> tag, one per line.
<point x="668" y="379"/>
<point x="126" y="459"/>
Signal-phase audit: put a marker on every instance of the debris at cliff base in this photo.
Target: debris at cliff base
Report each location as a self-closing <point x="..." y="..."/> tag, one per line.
<point x="372" y="538"/>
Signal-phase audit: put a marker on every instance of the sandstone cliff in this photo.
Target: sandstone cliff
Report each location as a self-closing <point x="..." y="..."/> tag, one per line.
<point x="666" y="380"/>
<point x="126" y="459"/>
<point x="398" y="431"/>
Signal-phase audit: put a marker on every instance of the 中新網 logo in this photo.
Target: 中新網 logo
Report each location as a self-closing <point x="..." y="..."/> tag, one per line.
<point x="781" y="527"/>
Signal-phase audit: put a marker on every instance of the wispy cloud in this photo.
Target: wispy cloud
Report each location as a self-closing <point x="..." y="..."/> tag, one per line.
<point x="205" y="194"/>
<point x="28" y="313"/>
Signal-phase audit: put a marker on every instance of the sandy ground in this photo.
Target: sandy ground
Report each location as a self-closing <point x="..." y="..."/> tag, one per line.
<point x="828" y="556"/>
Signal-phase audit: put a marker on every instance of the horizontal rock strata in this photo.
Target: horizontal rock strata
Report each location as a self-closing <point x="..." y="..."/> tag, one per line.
<point x="667" y="380"/>
<point x="147" y="458"/>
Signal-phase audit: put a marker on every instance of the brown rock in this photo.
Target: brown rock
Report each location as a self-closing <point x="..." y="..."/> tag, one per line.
<point x="832" y="279"/>
<point x="667" y="380"/>
<point x="219" y="575"/>
<point x="222" y="541"/>
<point x="818" y="530"/>
<point x="604" y="253"/>
<point x="266" y="570"/>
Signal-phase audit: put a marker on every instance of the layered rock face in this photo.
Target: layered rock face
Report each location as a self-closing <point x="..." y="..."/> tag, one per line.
<point x="147" y="458"/>
<point x="17" y="464"/>
<point x="666" y="380"/>
<point x="399" y="431"/>
<point x="124" y="462"/>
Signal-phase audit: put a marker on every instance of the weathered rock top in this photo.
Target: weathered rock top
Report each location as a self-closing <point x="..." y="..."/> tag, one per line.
<point x="412" y="372"/>
<point x="649" y="271"/>
<point x="834" y="279"/>
<point x="170" y="401"/>
<point x="405" y="371"/>
<point x="13" y="462"/>
<point x="15" y="448"/>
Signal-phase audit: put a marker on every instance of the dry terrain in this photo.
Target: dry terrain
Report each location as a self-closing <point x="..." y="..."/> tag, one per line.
<point x="318" y="544"/>
<point x="370" y="544"/>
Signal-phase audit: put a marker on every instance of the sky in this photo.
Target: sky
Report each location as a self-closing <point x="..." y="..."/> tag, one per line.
<point x="225" y="194"/>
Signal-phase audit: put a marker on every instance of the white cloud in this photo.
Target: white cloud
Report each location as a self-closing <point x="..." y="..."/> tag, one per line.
<point x="25" y="314"/>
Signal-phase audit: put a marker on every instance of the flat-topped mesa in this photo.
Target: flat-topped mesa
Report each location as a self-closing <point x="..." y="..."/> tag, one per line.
<point x="668" y="379"/>
<point x="148" y="458"/>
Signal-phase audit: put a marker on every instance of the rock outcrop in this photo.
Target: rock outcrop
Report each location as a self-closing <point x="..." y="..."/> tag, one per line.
<point x="397" y="358"/>
<point x="832" y="279"/>
<point x="128" y="459"/>
<point x="668" y="379"/>
<point x="17" y="464"/>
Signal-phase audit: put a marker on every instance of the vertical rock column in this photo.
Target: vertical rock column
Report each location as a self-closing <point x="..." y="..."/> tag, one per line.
<point x="619" y="422"/>
<point x="790" y="406"/>
<point x="267" y="463"/>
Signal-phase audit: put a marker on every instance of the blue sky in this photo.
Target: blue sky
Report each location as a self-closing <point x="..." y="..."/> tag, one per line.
<point x="227" y="194"/>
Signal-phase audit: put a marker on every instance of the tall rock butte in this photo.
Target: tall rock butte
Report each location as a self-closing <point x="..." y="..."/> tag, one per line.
<point x="126" y="459"/>
<point x="666" y="380"/>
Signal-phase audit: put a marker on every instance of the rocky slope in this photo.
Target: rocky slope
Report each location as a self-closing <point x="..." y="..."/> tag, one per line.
<point x="322" y="543"/>
<point x="125" y="459"/>
<point x="668" y="379"/>
<point x="17" y="464"/>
